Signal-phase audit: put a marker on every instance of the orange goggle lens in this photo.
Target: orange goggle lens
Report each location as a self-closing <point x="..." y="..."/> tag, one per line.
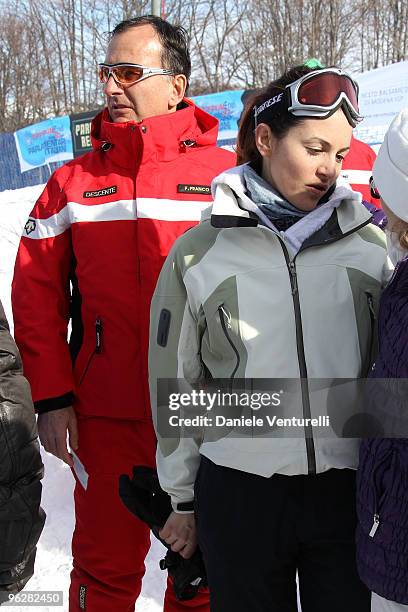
<point x="126" y="75"/>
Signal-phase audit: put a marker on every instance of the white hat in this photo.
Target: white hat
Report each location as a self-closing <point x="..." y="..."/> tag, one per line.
<point x="390" y="169"/>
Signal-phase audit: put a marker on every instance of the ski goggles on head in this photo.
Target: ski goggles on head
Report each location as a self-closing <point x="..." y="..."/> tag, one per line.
<point x="319" y="93"/>
<point x="127" y="74"/>
<point x="316" y="94"/>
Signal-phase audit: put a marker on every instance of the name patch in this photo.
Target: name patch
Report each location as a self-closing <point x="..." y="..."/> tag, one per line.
<point x="101" y="192"/>
<point x="202" y="189"/>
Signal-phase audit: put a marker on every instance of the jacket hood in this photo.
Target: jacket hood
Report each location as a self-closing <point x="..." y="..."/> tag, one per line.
<point x="233" y="207"/>
<point x="161" y="136"/>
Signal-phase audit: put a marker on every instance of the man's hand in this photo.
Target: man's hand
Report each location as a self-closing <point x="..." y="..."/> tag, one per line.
<point x="179" y="532"/>
<point x="52" y="429"/>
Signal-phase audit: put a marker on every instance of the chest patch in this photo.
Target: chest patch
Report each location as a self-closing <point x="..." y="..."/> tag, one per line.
<point x="101" y="192"/>
<point x="202" y="189"/>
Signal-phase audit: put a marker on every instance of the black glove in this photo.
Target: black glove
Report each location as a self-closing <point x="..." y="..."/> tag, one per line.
<point x="143" y="496"/>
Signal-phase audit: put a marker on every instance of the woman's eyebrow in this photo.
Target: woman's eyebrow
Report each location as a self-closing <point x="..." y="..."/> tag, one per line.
<point x="323" y="142"/>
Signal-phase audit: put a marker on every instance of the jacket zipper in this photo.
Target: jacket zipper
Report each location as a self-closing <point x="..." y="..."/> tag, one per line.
<point x="97" y="349"/>
<point x="376" y="517"/>
<point x="5" y="427"/>
<point x="304" y="383"/>
<point x="98" y="334"/>
<point x="370" y="303"/>
<point x="332" y="240"/>
<point x="225" y="319"/>
<point x="291" y="265"/>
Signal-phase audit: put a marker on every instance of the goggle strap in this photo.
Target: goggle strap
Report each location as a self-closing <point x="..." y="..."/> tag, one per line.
<point x="271" y="111"/>
<point x="271" y="108"/>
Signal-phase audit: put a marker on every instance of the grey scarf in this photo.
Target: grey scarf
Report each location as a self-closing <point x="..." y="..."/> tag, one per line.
<point x="276" y="208"/>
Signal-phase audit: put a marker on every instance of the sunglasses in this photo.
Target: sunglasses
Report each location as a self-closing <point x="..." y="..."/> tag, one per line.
<point x="373" y="189"/>
<point x="321" y="92"/>
<point x="128" y="74"/>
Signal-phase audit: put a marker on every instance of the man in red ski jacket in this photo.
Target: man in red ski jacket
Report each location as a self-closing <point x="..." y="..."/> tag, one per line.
<point x="106" y="221"/>
<point x="357" y="169"/>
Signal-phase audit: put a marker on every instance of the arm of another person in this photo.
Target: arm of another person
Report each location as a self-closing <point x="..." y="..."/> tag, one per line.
<point x="379" y="219"/>
<point x="21" y="469"/>
<point x="175" y="353"/>
<point x="40" y="299"/>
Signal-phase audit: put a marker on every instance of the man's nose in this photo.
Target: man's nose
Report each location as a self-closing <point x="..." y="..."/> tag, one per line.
<point x="112" y="87"/>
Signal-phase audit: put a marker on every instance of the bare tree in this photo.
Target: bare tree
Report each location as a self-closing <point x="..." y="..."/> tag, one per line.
<point x="384" y="33"/>
<point x="212" y="26"/>
<point x="49" y="50"/>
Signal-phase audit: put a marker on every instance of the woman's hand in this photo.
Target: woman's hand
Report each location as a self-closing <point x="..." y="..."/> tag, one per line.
<point x="179" y="532"/>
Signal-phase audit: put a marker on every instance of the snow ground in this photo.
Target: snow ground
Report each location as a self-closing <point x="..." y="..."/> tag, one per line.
<point x="53" y="563"/>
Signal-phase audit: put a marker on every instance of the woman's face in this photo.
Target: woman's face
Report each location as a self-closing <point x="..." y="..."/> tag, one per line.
<point x="393" y="222"/>
<point x="306" y="162"/>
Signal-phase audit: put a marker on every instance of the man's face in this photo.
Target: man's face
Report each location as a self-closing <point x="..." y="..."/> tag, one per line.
<point x="156" y="95"/>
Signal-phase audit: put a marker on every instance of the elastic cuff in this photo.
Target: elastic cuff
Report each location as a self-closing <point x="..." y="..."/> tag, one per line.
<point x="54" y="403"/>
<point x="183" y="507"/>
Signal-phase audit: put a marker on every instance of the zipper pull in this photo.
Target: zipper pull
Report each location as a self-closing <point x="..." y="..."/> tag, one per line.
<point x="375" y="526"/>
<point x="228" y="316"/>
<point x="371" y="305"/>
<point x="292" y="270"/>
<point x="98" y="332"/>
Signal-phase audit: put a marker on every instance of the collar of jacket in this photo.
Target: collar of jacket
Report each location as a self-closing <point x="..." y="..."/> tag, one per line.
<point x="162" y="137"/>
<point x="233" y="208"/>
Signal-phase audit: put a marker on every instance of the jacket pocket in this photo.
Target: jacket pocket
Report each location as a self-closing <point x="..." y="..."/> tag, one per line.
<point x="97" y="349"/>
<point x="14" y="534"/>
<point x="21" y="522"/>
<point x="225" y="319"/>
<point x="382" y="478"/>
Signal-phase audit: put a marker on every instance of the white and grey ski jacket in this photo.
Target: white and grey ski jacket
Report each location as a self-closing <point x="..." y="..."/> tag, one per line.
<point x="236" y="299"/>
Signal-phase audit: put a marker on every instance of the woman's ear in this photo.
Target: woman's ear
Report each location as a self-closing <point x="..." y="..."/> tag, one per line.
<point x="264" y="139"/>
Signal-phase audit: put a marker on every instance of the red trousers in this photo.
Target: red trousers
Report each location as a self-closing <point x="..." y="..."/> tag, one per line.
<point x="109" y="545"/>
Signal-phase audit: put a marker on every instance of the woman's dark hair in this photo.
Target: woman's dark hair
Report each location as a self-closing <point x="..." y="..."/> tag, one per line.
<point x="174" y="40"/>
<point x="246" y="147"/>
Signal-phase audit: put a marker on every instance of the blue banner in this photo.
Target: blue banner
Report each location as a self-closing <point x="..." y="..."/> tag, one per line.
<point x="45" y="142"/>
<point x="227" y="107"/>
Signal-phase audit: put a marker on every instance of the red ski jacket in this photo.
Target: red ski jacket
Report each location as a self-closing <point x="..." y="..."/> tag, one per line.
<point x="357" y="169"/>
<point x="106" y="221"/>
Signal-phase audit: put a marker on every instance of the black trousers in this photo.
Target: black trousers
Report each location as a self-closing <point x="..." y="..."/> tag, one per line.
<point x="256" y="533"/>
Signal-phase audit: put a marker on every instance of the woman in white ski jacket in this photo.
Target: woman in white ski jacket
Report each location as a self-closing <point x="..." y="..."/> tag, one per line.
<point x="280" y="283"/>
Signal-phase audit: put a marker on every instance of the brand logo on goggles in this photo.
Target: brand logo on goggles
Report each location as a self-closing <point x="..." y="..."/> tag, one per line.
<point x="268" y="103"/>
